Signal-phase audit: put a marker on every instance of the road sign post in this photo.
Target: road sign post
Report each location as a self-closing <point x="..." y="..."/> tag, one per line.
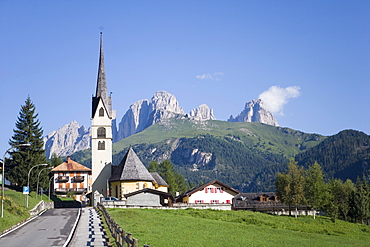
<point x="26" y="191"/>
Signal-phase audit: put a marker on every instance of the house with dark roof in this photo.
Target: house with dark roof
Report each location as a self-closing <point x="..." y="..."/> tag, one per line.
<point x="131" y="175"/>
<point x="72" y="178"/>
<point x="213" y="192"/>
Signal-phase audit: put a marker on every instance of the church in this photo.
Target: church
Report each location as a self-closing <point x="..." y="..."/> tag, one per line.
<point x="130" y="175"/>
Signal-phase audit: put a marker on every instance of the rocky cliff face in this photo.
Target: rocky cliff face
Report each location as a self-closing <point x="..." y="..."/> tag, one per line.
<point x="134" y="120"/>
<point x="254" y="111"/>
<point x="68" y="139"/>
<point x="202" y="113"/>
<point x="144" y="113"/>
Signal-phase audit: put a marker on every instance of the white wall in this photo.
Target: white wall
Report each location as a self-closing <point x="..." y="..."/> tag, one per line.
<point x="215" y="194"/>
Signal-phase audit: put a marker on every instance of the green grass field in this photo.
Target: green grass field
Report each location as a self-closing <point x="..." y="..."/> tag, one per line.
<point x="14" y="208"/>
<point x="190" y="227"/>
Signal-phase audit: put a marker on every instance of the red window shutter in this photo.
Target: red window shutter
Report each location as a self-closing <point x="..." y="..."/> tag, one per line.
<point x="202" y="201"/>
<point x="206" y="189"/>
<point x="213" y="190"/>
<point x="227" y="201"/>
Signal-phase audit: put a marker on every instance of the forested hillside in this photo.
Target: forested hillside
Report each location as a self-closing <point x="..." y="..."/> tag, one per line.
<point x="344" y="155"/>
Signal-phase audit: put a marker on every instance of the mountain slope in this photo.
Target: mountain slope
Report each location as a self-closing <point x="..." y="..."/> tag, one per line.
<point x="243" y="155"/>
<point x="344" y="155"/>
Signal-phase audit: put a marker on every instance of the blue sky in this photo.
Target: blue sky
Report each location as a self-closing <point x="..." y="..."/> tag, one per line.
<point x="222" y="53"/>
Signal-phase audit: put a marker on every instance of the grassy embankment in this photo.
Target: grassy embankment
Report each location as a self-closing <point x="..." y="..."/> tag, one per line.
<point x="14" y="207"/>
<point x="236" y="228"/>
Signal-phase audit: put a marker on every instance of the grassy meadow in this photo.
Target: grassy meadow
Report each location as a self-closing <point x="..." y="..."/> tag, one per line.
<point x="14" y="207"/>
<point x="190" y="227"/>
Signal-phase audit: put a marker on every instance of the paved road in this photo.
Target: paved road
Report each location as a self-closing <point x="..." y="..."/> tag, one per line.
<point x="52" y="228"/>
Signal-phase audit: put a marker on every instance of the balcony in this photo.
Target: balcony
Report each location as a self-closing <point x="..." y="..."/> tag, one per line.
<point x="61" y="191"/>
<point x="63" y="179"/>
<point x="77" y="190"/>
<point x="79" y="179"/>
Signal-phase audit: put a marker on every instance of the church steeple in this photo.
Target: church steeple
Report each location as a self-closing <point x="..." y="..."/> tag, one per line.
<point x="101" y="86"/>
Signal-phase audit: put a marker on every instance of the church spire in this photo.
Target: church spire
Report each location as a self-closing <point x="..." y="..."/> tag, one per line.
<point x="101" y="87"/>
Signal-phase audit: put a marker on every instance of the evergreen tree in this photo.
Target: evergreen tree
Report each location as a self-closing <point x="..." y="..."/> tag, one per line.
<point x="27" y="130"/>
<point x="332" y="208"/>
<point x="290" y="185"/>
<point x="55" y="160"/>
<point x="316" y="193"/>
<point x="361" y="200"/>
<point x="153" y="166"/>
<point x="172" y="177"/>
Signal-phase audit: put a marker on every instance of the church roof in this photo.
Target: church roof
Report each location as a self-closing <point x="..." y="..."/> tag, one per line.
<point x="101" y="87"/>
<point x="71" y="165"/>
<point x="158" y="179"/>
<point x="131" y="169"/>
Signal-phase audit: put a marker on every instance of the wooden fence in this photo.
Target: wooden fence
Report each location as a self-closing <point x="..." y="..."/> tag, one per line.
<point x="122" y="238"/>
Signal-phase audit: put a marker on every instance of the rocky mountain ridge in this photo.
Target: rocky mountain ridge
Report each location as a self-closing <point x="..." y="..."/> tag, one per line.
<point x="66" y="140"/>
<point x="254" y="111"/>
<point x="142" y="114"/>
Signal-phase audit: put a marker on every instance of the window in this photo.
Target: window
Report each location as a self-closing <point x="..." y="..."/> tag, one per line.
<point x="228" y="201"/>
<point x="101" y="132"/>
<point x="214" y="201"/>
<point x="199" y="201"/>
<point x="220" y="190"/>
<point x="101" y="112"/>
<point x="101" y="145"/>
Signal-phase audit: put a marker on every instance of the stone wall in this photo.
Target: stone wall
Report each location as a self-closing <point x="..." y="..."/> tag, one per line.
<point x="42" y="205"/>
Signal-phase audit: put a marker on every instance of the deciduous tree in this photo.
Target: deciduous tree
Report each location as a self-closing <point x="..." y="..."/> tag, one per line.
<point x="290" y="185"/>
<point x="316" y="193"/>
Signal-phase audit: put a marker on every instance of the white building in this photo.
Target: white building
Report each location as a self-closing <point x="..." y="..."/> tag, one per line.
<point x="72" y="178"/>
<point x="213" y="192"/>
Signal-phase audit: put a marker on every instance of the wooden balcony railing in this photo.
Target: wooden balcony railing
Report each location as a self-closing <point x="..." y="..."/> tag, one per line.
<point x="61" y="190"/>
<point x="79" y="179"/>
<point x="63" y="179"/>
<point x="78" y="190"/>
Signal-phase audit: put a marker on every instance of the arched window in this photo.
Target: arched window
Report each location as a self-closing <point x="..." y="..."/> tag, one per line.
<point x="101" y="145"/>
<point x="101" y="112"/>
<point x="101" y="132"/>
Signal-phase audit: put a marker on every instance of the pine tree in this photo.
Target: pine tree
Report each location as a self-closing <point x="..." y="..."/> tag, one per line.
<point x="172" y="177"/>
<point x="362" y="200"/>
<point x="27" y="130"/>
<point x="153" y="166"/>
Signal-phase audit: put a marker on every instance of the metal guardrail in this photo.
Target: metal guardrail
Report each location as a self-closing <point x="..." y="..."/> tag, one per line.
<point x="121" y="237"/>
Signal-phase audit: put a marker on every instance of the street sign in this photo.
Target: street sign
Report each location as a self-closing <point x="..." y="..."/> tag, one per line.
<point x="26" y="190"/>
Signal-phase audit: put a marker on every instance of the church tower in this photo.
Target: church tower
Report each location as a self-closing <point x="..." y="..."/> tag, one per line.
<point x="101" y="131"/>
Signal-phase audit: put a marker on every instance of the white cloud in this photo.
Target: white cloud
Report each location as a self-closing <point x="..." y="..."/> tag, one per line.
<point x="214" y="77"/>
<point x="276" y="97"/>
